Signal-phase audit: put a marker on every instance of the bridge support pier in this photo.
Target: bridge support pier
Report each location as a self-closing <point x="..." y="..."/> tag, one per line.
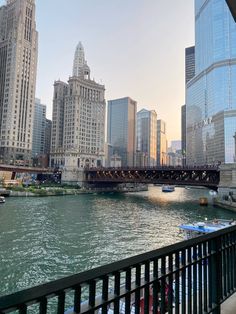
<point x="227" y="187"/>
<point x="73" y="176"/>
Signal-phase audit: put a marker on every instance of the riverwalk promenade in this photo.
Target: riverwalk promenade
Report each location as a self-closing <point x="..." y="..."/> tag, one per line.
<point x="229" y="306"/>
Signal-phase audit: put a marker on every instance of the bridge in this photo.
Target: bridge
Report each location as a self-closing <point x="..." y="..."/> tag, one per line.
<point x="208" y="176"/>
<point x="24" y="169"/>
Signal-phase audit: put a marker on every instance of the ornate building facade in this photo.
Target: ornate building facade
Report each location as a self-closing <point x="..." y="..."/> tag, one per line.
<point x="78" y="122"/>
<point x="18" y="64"/>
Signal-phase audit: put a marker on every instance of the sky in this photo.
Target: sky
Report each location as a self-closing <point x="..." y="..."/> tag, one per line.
<point x="135" y="48"/>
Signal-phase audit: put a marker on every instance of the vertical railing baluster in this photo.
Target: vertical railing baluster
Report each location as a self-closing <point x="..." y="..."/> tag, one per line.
<point x="147" y="287"/>
<point x="177" y="282"/>
<point x="23" y="309"/>
<point x="216" y="283"/>
<point x="43" y="305"/>
<point x="77" y="299"/>
<point x="127" y="290"/>
<point x="189" y="276"/>
<point x="230" y="263"/>
<point x="224" y="266"/>
<point x="117" y="293"/>
<point x="137" y="286"/>
<point x="155" y="288"/>
<point x="163" y="285"/>
<point x="199" y="277"/>
<point x="234" y="260"/>
<point x="61" y="302"/>
<point x="205" y="275"/>
<point x="195" y="257"/>
<point x="105" y="291"/>
<point x="170" y="284"/>
<point x="228" y="266"/>
<point x="92" y="294"/>
<point x="183" y="281"/>
<point x="210" y="288"/>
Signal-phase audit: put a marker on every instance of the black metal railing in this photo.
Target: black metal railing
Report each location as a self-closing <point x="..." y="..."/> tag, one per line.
<point x="193" y="276"/>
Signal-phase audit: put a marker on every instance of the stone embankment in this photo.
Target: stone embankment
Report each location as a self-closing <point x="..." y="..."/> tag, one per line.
<point x="45" y="192"/>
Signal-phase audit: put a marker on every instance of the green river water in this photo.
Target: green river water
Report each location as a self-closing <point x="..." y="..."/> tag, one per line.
<point x="47" y="238"/>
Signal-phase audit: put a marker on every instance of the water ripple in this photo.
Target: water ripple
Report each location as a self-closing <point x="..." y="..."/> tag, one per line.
<point x="42" y="239"/>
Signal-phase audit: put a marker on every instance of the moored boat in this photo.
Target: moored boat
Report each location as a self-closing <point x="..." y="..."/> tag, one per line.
<point x="168" y="188"/>
<point x="2" y="199"/>
<point x="193" y="230"/>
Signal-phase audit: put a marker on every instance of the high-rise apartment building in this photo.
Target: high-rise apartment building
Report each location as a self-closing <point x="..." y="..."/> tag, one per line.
<point x="121" y="129"/>
<point x="48" y="131"/>
<point x="147" y="136"/>
<point x="60" y="92"/>
<point x="189" y="63"/>
<point x="78" y="122"/>
<point x="183" y="130"/>
<point x="211" y="94"/>
<point x="38" y="145"/>
<point x="18" y="63"/>
<point x="189" y="74"/>
<point x="162" y="144"/>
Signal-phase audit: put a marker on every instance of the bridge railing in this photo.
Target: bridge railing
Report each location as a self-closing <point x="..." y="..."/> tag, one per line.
<point x="193" y="276"/>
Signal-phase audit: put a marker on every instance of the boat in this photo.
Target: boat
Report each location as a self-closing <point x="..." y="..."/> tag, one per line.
<point x="203" y="201"/>
<point x="193" y="230"/>
<point x="212" y="193"/>
<point x="168" y="188"/>
<point x="2" y="199"/>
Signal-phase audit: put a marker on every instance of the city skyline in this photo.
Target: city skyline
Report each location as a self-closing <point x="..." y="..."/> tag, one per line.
<point x="144" y="62"/>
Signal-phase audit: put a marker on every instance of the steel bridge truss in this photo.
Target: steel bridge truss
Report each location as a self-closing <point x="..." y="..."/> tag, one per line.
<point x="195" y="176"/>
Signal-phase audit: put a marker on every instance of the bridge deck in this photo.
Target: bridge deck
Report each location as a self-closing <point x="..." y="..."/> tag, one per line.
<point x="199" y="176"/>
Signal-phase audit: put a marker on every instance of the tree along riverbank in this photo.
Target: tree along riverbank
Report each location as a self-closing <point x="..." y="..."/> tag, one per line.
<point x="68" y="190"/>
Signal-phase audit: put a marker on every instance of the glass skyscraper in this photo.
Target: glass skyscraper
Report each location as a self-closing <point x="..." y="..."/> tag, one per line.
<point x="121" y="129"/>
<point x="147" y="136"/>
<point x="211" y="93"/>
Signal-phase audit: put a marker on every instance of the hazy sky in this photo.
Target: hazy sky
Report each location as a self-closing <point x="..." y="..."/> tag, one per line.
<point x="135" y="47"/>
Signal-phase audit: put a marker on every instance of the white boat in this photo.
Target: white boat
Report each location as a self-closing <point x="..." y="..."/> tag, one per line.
<point x="168" y="188"/>
<point x="2" y="199"/>
<point x="199" y="228"/>
<point x="212" y="193"/>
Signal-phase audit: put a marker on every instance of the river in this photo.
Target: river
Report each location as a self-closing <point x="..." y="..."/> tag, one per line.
<point x="47" y="238"/>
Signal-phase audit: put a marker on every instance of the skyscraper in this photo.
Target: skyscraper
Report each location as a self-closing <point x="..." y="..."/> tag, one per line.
<point x="48" y="131"/>
<point x="211" y="96"/>
<point x="189" y="74"/>
<point x="183" y="132"/>
<point x="18" y="63"/>
<point x="39" y="128"/>
<point x="161" y="143"/>
<point x="60" y="92"/>
<point x="189" y="63"/>
<point x="78" y="123"/>
<point x="121" y="129"/>
<point x="147" y="135"/>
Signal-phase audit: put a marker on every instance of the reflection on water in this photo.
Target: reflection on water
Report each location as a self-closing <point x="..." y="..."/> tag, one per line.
<point x="42" y="239"/>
